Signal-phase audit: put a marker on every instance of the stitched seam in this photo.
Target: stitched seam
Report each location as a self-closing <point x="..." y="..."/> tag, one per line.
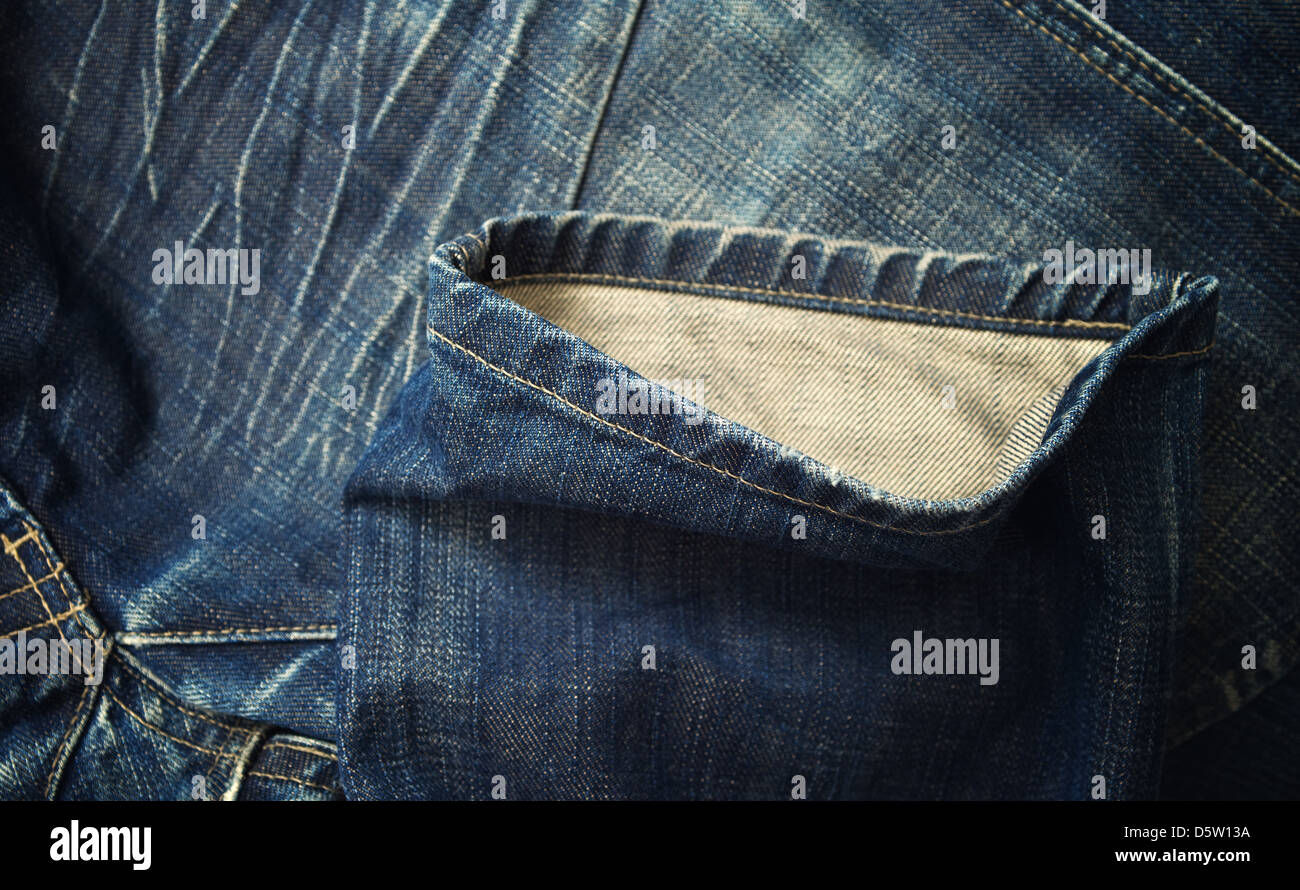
<point x="11" y="547"/>
<point x="28" y="586"/>
<point x="926" y="310"/>
<point x="1201" y="351"/>
<point x="12" y="550"/>
<point x="49" y="563"/>
<point x="1157" y="109"/>
<point x="230" y="733"/>
<point x="55" y="619"/>
<point x="177" y="705"/>
<point x="63" y="741"/>
<point x="229" y="630"/>
<point x="321" y="754"/>
<point x="1216" y="115"/>
<point x="163" y="732"/>
<point x="48" y="611"/>
<point x="40" y="545"/>
<point x="700" y="463"/>
<point x="253" y="772"/>
<point x="563" y="276"/>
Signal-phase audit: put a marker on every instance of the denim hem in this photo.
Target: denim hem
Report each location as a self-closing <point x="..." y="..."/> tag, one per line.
<point x="517" y="354"/>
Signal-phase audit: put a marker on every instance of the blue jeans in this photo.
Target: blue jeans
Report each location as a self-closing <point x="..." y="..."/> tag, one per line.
<point x="274" y="506"/>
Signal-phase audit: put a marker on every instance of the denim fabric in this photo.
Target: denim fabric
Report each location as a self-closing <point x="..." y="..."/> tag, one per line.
<point x="773" y="653"/>
<point x="253" y="410"/>
<point x="115" y="731"/>
<point x="201" y="400"/>
<point x="1065" y="130"/>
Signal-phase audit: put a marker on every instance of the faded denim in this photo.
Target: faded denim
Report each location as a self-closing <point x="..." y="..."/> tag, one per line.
<point x="177" y="401"/>
<point x="773" y="654"/>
